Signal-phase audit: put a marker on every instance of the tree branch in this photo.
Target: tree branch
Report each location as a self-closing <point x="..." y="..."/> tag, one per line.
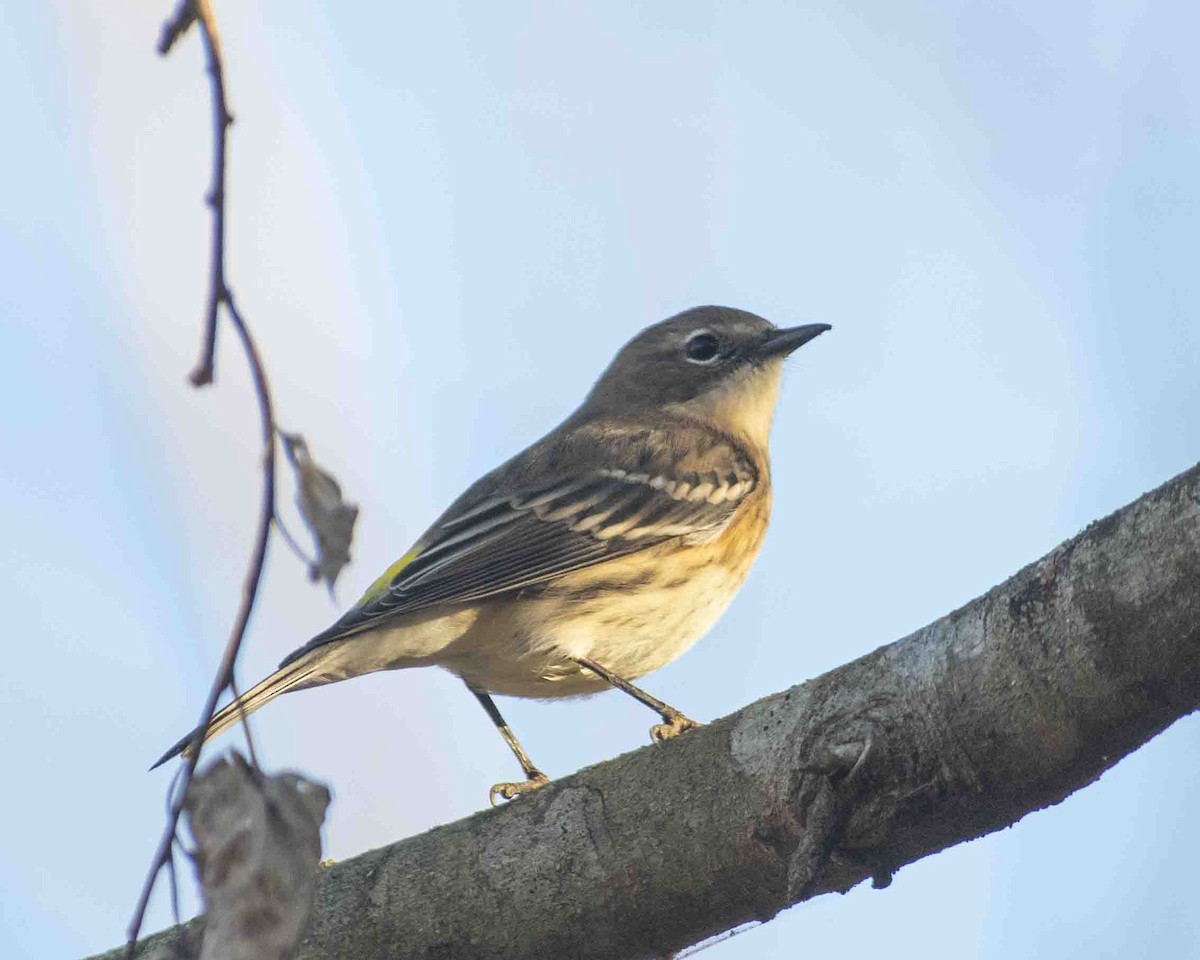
<point x="186" y="13"/>
<point x="1000" y="708"/>
<point x="219" y="294"/>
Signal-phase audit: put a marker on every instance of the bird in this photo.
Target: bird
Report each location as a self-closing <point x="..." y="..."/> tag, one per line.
<point x="595" y="556"/>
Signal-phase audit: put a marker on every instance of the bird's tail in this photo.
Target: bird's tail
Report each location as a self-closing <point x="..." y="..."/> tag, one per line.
<point x="290" y="677"/>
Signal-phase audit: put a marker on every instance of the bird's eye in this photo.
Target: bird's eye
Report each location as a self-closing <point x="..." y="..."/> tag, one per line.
<point x="702" y="348"/>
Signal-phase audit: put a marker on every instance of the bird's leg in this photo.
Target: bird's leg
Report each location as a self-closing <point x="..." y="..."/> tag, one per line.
<point x="674" y="722"/>
<point x="534" y="777"/>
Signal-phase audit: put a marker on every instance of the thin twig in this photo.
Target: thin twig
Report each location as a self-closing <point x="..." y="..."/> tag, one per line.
<point x="219" y="294"/>
<point x="218" y="291"/>
<point x="249" y="591"/>
<point x="292" y="542"/>
<point x="245" y="723"/>
<point x="176" y="26"/>
<point x="225" y="669"/>
<point x="174" y="881"/>
<point x="172" y="788"/>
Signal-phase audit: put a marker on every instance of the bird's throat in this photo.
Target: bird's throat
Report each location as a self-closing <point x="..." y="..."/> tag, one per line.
<point x="743" y="406"/>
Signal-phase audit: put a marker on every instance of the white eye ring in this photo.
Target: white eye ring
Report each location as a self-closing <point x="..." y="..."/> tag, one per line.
<point x="702" y="347"/>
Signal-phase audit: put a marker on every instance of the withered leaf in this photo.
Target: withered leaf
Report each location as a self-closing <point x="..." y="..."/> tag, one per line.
<point x="329" y="517"/>
<point x="258" y="844"/>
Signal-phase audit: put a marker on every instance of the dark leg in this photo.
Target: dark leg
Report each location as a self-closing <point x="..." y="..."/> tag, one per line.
<point x="674" y="722"/>
<point x="535" y="777"/>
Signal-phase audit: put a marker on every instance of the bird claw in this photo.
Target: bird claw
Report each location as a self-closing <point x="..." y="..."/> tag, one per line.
<point x="673" y="727"/>
<point x="510" y="791"/>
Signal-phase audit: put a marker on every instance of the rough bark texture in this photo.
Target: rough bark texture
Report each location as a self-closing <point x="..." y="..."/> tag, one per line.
<point x="1002" y="707"/>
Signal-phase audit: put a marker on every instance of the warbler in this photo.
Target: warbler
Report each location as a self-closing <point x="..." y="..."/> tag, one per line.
<point x="595" y="556"/>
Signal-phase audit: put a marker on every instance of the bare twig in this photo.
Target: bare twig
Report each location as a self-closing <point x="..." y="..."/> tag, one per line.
<point x="292" y="543"/>
<point x="176" y="26"/>
<point x="219" y="294"/>
<point x="174" y="880"/>
<point x="188" y="12"/>
<point x="237" y="697"/>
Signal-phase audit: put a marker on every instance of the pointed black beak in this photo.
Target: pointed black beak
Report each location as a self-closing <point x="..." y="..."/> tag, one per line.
<point x="779" y="343"/>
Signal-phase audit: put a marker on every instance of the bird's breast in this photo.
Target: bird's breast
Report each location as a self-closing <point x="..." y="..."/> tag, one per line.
<point x="633" y="614"/>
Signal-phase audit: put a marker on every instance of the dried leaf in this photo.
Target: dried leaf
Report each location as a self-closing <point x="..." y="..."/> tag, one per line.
<point x="257" y="847"/>
<point x="327" y="515"/>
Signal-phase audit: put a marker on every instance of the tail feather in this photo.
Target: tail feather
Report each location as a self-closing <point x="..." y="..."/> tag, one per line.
<point x="281" y="681"/>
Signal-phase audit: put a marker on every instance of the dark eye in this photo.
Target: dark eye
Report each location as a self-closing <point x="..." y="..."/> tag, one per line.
<point x="702" y="348"/>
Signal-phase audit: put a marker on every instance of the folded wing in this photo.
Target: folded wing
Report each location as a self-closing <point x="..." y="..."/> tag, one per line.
<point x="537" y="524"/>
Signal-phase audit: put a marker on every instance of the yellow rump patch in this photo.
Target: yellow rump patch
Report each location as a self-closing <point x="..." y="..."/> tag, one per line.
<point x="381" y="586"/>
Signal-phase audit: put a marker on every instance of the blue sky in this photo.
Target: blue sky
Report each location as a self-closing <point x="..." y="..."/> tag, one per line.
<point x="444" y="220"/>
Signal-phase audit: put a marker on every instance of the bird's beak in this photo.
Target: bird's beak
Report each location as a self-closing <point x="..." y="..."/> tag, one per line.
<point x="779" y="343"/>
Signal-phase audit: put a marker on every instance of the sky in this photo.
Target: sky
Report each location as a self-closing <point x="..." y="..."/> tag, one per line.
<point x="443" y="221"/>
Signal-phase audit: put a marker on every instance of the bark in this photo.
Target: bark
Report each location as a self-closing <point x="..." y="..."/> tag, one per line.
<point x="1003" y="707"/>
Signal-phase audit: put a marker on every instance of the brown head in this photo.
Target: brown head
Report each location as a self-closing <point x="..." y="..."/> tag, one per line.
<point x="715" y="364"/>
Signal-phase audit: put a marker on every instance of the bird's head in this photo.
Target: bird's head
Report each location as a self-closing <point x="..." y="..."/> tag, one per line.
<point x="717" y="364"/>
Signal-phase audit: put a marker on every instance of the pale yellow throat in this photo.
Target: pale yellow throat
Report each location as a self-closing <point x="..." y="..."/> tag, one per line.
<point x="742" y="406"/>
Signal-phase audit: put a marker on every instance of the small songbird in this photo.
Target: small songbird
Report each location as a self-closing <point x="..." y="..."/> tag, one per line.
<point x="597" y="555"/>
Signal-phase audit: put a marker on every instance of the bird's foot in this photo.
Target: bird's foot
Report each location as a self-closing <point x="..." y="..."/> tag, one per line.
<point x="676" y="723"/>
<point x="509" y="791"/>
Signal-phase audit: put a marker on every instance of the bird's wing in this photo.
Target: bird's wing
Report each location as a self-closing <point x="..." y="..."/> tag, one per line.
<point x="628" y="489"/>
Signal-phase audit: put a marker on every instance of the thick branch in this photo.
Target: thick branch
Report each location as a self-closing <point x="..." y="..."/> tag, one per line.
<point x="998" y="709"/>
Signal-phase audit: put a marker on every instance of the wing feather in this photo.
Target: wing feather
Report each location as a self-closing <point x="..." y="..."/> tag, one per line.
<point x="531" y="531"/>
